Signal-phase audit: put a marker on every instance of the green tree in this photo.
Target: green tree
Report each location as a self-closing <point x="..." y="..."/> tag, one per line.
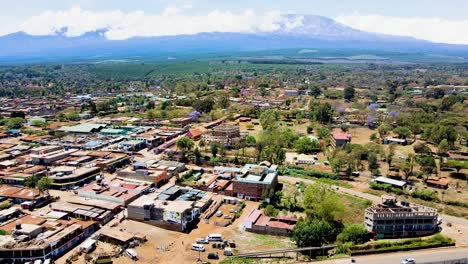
<point x="185" y="144"/>
<point x="373" y="163"/>
<point x="314" y="232"/>
<point x="289" y="137"/>
<point x="305" y="145"/>
<point x="349" y="93"/>
<point x="30" y="181"/>
<point x="269" y="119"/>
<point x="214" y="149"/>
<point x="315" y="90"/>
<point x="322" y="203"/>
<point x="15" y="123"/>
<point x="44" y="184"/>
<point x="383" y="129"/>
<point x="270" y="210"/>
<point x="197" y="155"/>
<point x="250" y="141"/>
<point x="403" y="132"/>
<point x="355" y="233"/>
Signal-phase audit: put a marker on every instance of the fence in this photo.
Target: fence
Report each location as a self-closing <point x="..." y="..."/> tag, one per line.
<point x="453" y="261"/>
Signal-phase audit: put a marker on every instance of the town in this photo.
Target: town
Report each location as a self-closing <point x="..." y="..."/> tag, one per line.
<point x="230" y="172"/>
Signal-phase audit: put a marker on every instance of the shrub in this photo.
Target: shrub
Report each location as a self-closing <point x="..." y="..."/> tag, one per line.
<point x="426" y="195"/>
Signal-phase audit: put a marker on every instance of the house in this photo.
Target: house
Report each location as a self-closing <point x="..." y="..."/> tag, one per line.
<point x="68" y="176"/>
<point x="255" y="182"/>
<point x="195" y="134"/>
<point x="391" y="219"/>
<point x="173" y="215"/>
<point x="257" y="222"/>
<point x="438" y="183"/>
<point x="292" y="92"/>
<point x="339" y="138"/>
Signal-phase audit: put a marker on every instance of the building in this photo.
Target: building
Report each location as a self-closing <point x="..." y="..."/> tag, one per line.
<point x="48" y="158"/>
<point x="226" y="134"/>
<point x="339" y="138"/>
<point x="132" y="145"/>
<point x="182" y="121"/>
<point x="117" y="191"/>
<point x="292" y="92"/>
<point x="392" y="182"/>
<point x="80" y="129"/>
<point x="173" y="215"/>
<point x="67" y="176"/>
<point x="30" y="238"/>
<point x="257" y="222"/>
<point x="255" y="182"/>
<point x="400" y="219"/>
<point x="399" y="141"/>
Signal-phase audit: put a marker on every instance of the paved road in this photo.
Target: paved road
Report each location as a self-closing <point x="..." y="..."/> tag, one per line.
<point x="421" y="256"/>
<point x="457" y="230"/>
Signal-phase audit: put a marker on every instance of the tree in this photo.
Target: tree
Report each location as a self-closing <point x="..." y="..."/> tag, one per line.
<point x="315" y="90"/>
<point x="15" y="123"/>
<point x="305" y="145"/>
<point x="355" y="233"/>
<point x="322" y="203"/>
<point x="184" y="144"/>
<point x="289" y="137"/>
<point x="427" y="165"/>
<point x="390" y="154"/>
<point x="373" y="163"/>
<point x="322" y="113"/>
<point x="383" y="130"/>
<point x="205" y="105"/>
<point x="270" y="210"/>
<point x="403" y="132"/>
<point x="150" y="105"/>
<point x="30" y="181"/>
<point x="314" y="233"/>
<point x="214" y="149"/>
<point x="250" y="141"/>
<point x="73" y="116"/>
<point x="19" y="114"/>
<point x="197" y="155"/>
<point x="44" y="184"/>
<point x="407" y="166"/>
<point x="442" y="149"/>
<point x="422" y="148"/>
<point x="349" y="93"/>
<point x="269" y="118"/>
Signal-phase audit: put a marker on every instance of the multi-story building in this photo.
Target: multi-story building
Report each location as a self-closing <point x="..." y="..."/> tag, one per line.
<point x="339" y="138"/>
<point x="255" y="182"/>
<point x="226" y="134"/>
<point x="400" y="219"/>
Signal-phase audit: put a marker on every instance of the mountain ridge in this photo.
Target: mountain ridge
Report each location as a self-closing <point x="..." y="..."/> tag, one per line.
<point x="293" y="31"/>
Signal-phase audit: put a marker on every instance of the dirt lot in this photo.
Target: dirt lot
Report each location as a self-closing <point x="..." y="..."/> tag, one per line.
<point x="165" y="246"/>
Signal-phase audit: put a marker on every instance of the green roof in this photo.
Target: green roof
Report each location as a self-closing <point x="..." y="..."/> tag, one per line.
<point x="82" y="128"/>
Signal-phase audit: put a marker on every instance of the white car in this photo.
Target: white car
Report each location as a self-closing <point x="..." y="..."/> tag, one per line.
<point x="408" y="261"/>
<point x="198" y="247"/>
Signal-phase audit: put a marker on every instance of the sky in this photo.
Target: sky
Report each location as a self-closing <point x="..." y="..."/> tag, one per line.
<point x="435" y="20"/>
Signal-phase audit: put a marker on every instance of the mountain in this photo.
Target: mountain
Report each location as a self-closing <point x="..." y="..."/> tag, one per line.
<point x="292" y="32"/>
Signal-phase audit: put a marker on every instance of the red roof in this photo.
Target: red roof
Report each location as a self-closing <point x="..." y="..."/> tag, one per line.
<point x="254" y="215"/>
<point x="341" y="135"/>
<point x="279" y="224"/>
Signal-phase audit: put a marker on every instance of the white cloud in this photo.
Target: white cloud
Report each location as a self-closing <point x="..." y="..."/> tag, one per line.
<point x="432" y="29"/>
<point x="171" y="21"/>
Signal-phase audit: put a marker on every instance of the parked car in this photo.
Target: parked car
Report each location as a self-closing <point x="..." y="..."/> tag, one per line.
<point x="408" y="261"/>
<point x="233" y="211"/>
<point x="213" y="256"/>
<point x="227" y="216"/>
<point x="198" y="247"/>
<point x="219" y="214"/>
<point x="202" y="241"/>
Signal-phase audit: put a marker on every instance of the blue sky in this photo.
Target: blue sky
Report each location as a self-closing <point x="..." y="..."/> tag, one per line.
<point x="436" y="20"/>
